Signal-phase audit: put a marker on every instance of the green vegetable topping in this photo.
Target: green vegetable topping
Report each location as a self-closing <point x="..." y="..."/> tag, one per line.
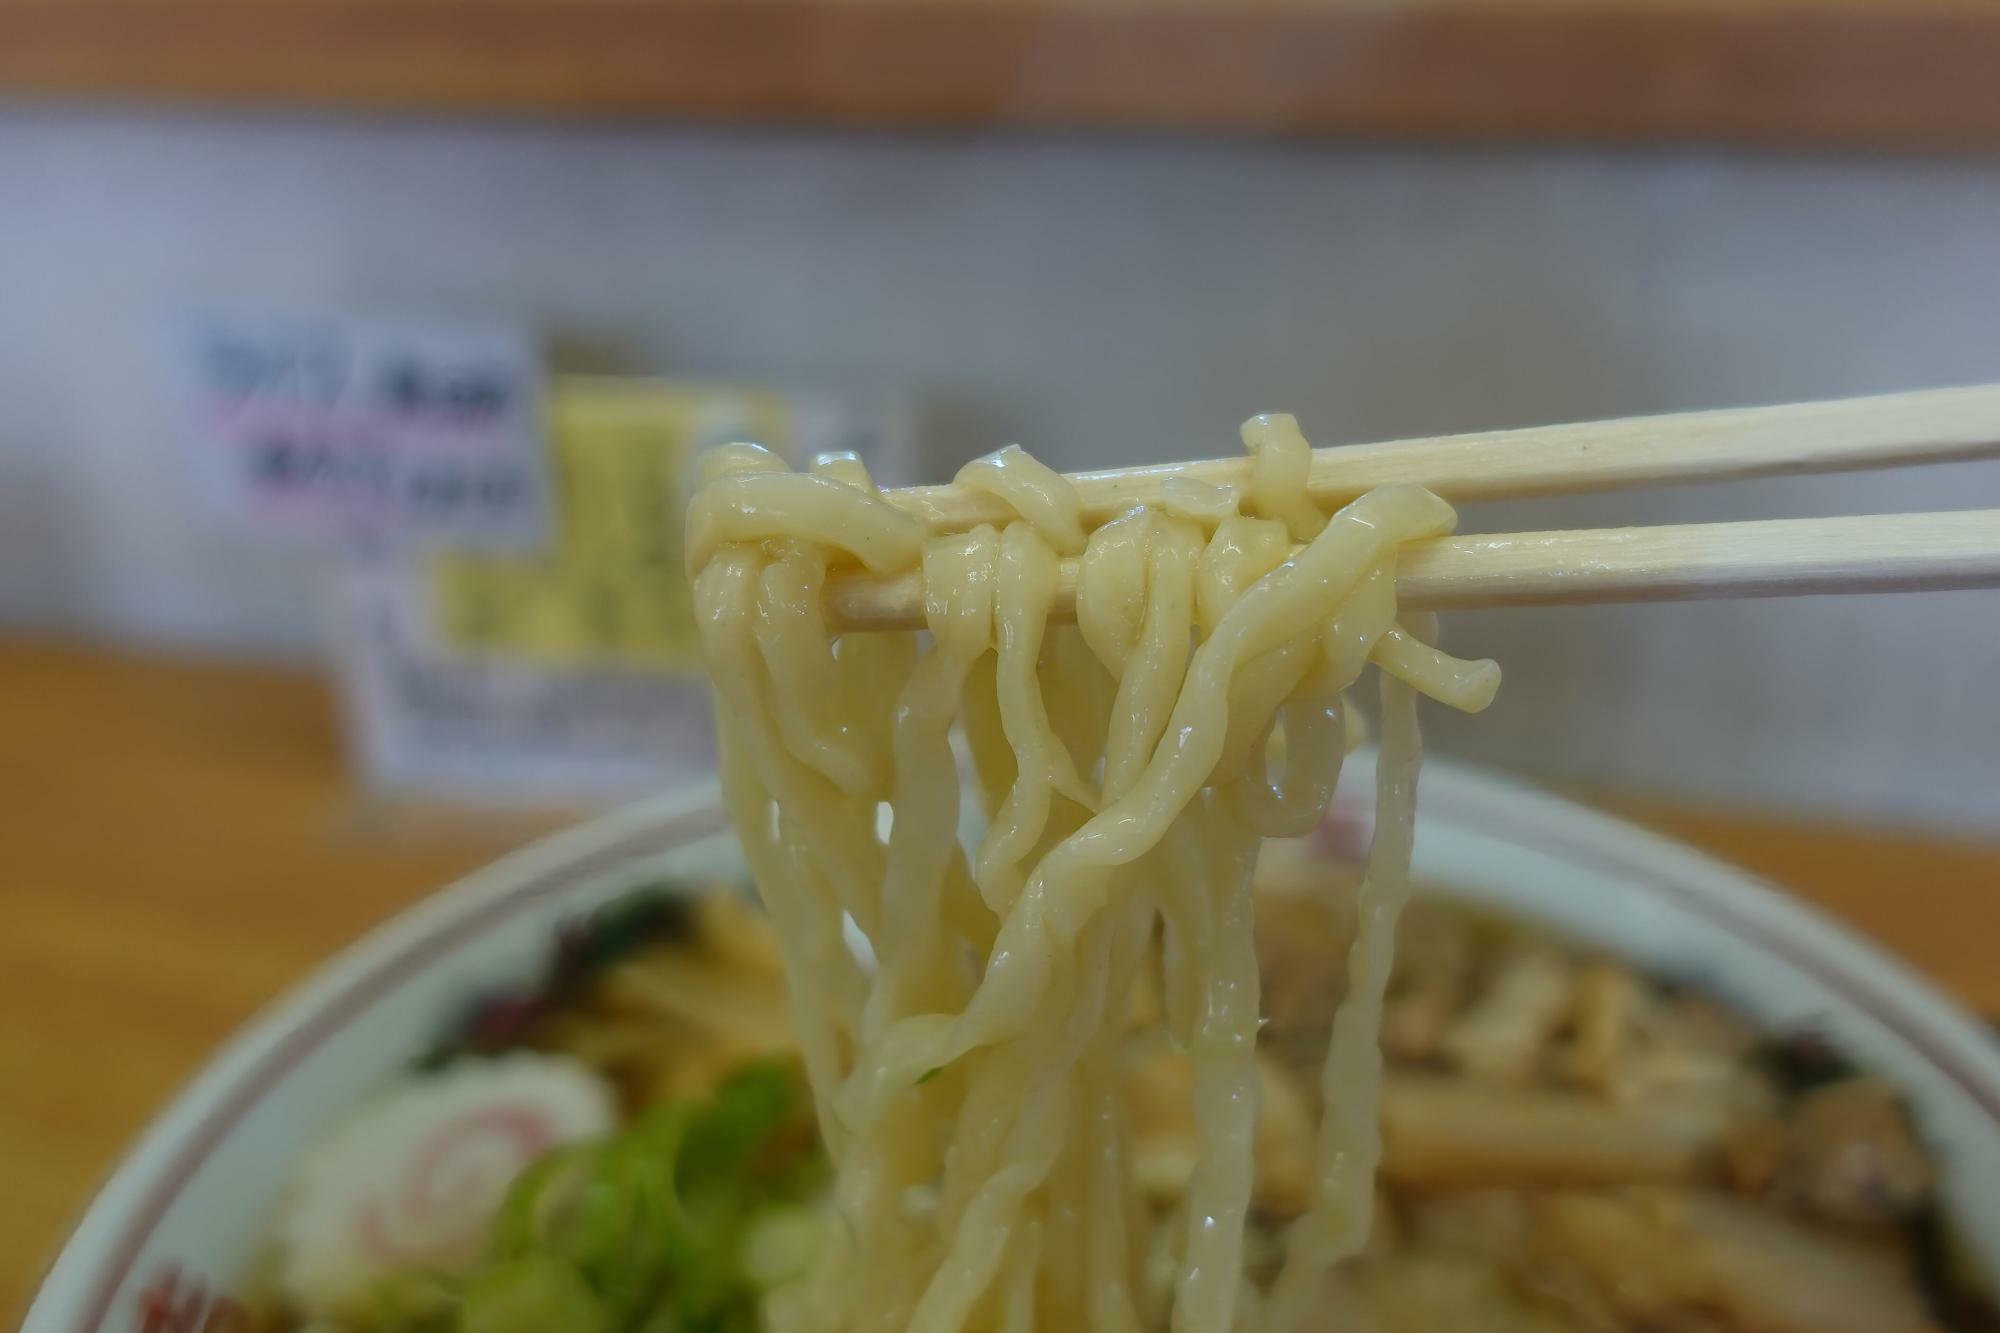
<point x="676" y="1224"/>
<point x="537" y="1293"/>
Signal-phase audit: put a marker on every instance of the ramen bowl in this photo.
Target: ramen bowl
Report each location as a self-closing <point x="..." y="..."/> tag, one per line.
<point x="179" y="1223"/>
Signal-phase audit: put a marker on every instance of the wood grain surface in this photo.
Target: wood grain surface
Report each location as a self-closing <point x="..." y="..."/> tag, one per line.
<point x="1887" y="430"/>
<point x="179" y="842"/>
<point x="1901" y="72"/>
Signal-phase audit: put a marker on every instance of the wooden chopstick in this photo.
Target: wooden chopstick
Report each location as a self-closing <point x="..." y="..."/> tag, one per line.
<point x="1677" y="562"/>
<point x="1890" y="430"/>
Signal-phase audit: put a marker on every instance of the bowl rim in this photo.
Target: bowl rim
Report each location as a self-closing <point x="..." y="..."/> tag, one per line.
<point x="95" y="1261"/>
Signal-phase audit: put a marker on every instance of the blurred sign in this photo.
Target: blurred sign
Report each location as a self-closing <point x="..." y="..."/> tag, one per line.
<point x="387" y="432"/>
<point x="428" y="720"/>
<point x="572" y="675"/>
<point x="612" y="589"/>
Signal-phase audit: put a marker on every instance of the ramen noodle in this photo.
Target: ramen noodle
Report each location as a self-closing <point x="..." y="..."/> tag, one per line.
<point x="962" y="1011"/>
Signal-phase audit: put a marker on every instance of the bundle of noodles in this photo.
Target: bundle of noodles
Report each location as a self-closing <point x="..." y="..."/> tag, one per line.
<point x="966" y="1064"/>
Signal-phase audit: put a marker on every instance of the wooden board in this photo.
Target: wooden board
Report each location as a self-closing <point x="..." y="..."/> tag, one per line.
<point x="179" y="844"/>
<point x="1855" y="72"/>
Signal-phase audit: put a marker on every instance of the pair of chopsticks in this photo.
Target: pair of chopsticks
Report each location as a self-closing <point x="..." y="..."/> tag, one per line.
<point x="1781" y="557"/>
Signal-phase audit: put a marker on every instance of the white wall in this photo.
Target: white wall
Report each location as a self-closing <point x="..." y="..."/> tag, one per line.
<point x="1102" y="301"/>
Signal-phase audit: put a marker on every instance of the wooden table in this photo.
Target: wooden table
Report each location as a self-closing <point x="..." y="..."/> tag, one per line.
<point x="179" y="842"/>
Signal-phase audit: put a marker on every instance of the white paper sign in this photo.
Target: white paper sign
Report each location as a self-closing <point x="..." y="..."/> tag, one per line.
<point x="404" y="434"/>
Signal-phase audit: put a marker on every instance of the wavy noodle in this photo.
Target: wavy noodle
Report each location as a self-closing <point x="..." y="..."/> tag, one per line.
<point x="726" y="460"/>
<point x="844" y="466"/>
<point x="1279" y="463"/>
<point x="967" y="1076"/>
<point x="1034" y="490"/>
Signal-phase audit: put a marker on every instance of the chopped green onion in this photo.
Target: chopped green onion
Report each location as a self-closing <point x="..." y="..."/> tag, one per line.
<point x="537" y="1293"/>
<point x="676" y="1224"/>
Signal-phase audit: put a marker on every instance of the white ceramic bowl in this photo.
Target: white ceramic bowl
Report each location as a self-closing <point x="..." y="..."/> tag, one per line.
<point x="180" y="1217"/>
